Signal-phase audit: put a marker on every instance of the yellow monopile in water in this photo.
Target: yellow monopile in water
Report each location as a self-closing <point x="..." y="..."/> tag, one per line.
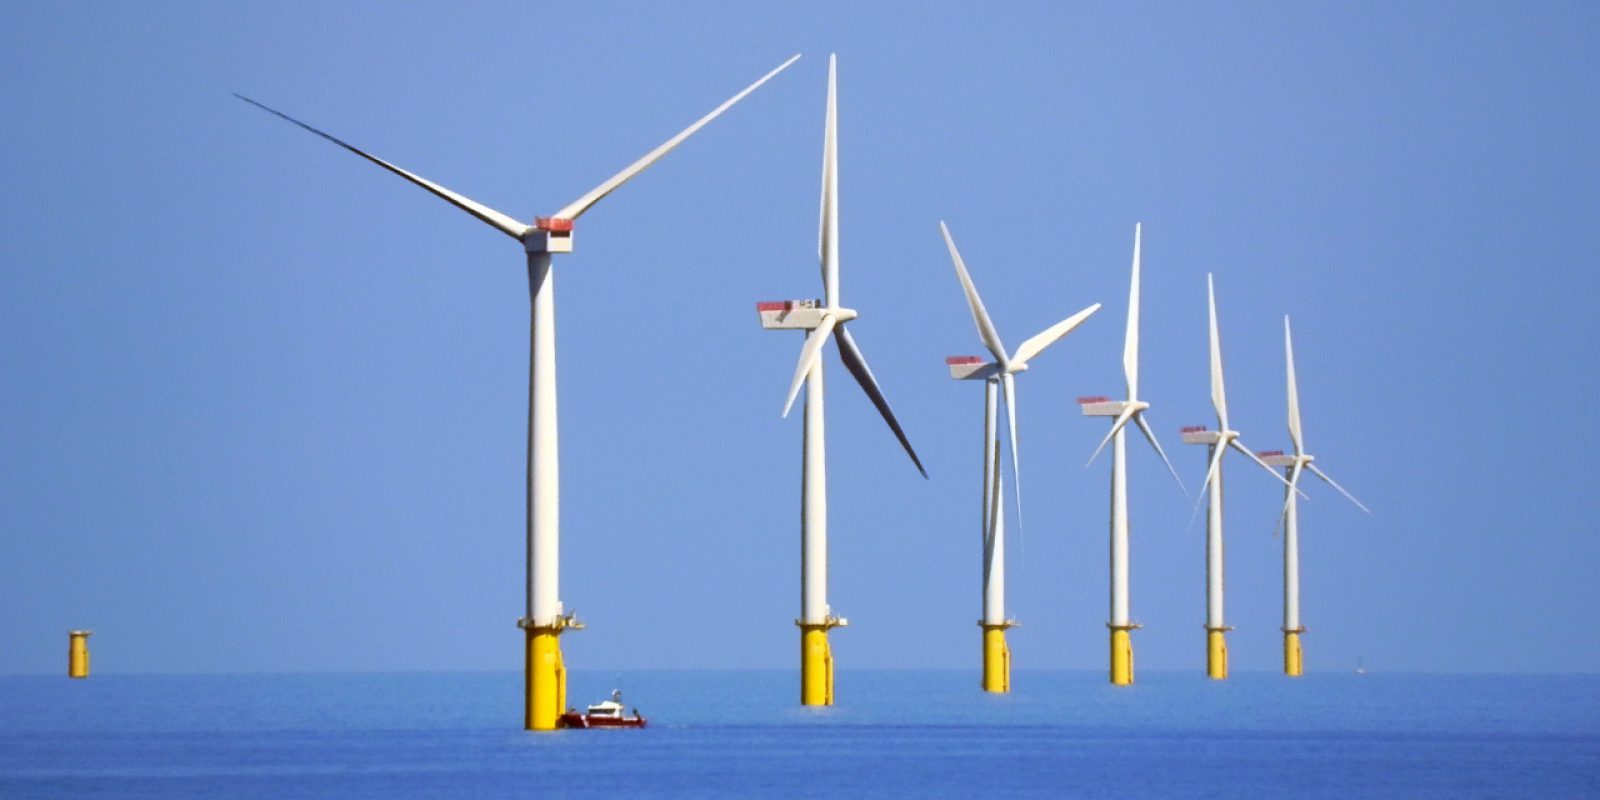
<point x="816" y="666"/>
<point x="996" y="658"/>
<point x="1216" y="653"/>
<point x="545" y="675"/>
<point x="1293" y="661"/>
<point x="78" y="654"/>
<point x="1121" y="655"/>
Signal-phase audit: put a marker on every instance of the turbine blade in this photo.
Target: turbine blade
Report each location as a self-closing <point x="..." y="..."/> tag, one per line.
<point x="980" y="316"/>
<point x="1219" y="397"/>
<point x="991" y="468"/>
<point x="1211" y="471"/>
<point x="1130" y="345"/>
<point x="1011" y="413"/>
<point x="857" y="364"/>
<point x="1150" y="436"/>
<point x="576" y="208"/>
<point x="1323" y="475"/>
<point x="1294" y="392"/>
<point x="1050" y="335"/>
<point x="997" y="502"/>
<point x="1122" y="419"/>
<point x="503" y="222"/>
<point x="828" y="226"/>
<point x="1294" y="481"/>
<point x="808" y="358"/>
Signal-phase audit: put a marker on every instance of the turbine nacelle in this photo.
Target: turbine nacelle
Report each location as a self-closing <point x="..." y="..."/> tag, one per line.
<point x="1106" y="407"/>
<point x="548" y="235"/>
<point x="800" y="315"/>
<point x="1198" y="434"/>
<point x="1277" y="458"/>
<point x="972" y="368"/>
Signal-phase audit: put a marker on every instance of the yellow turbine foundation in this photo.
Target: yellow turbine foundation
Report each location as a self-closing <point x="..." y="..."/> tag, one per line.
<point x="1293" y="662"/>
<point x="996" y="658"/>
<point x="545" y="680"/>
<point x="78" y="654"/>
<point x="1216" y="653"/>
<point x="816" y="664"/>
<point x="1121" y="655"/>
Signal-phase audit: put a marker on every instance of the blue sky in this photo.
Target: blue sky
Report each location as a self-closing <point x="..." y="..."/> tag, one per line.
<point x="263" y="404"/>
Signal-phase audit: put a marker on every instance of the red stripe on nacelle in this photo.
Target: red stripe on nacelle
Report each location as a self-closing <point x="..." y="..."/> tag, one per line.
<point x="1193" y="429"/>
<point x="1087" y="400"/>
<point x="954" y="360"/>
<point x="775" y="305"/>
<point x="553" y="224"/>
<point x="1265" y="453"/>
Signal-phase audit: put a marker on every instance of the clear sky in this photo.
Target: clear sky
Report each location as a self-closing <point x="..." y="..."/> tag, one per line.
<point x="262" y="405"/>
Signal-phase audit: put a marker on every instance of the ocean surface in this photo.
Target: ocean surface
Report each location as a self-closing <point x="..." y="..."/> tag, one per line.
<point x="742" y="734"/>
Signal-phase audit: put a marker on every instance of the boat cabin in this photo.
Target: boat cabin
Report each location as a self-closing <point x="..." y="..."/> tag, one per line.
<point x="608" y="709"/>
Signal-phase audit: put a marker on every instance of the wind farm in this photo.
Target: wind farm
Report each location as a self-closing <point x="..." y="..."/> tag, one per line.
<point x="268" y="435"/>
<point x="546" y="617"/>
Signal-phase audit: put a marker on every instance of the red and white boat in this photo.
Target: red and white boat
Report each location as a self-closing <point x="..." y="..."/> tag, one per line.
<point x="604" y="714"/>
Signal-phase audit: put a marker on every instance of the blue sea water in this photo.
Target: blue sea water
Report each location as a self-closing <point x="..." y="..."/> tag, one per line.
<point x="741" y="734"/>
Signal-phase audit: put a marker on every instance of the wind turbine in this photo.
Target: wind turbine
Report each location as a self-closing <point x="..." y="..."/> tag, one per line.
<point x="1218" y="441"/>
<point x="996" y="656"/>
<point x="1293" y="662"/>
<point x="1125" y="411"/>
<point x="822" y="320"/>
<point x="544" y="615"/>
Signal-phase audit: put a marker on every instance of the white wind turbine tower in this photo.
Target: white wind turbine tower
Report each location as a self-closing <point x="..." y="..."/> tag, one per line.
<point x="1218" y="441"/>
<point x="1125" y="411"/>
<point x="544" y="616"/>
<point x="1293" y="662"/>
<point x="822" y="320"/>
<point x="996" y="656"/>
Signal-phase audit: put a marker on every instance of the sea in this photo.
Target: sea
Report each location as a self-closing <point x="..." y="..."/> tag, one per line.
<point x="911" y="734"/>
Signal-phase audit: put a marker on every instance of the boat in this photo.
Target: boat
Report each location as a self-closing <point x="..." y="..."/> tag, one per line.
<point x="1360" y="668"/>
<point x="604" y="714"/>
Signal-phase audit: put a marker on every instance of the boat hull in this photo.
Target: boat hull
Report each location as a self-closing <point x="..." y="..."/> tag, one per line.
<point x="575" y="720"/>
